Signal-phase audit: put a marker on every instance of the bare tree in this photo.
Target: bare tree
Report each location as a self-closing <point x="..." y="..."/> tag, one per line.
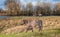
<point x="13" y="7"/>
<point x="1" y="10"/>
<point x="39" y="9"/>
<point x="57" y="9"/>
<point x="47" y="8"/>
<point x="29" y="8"/>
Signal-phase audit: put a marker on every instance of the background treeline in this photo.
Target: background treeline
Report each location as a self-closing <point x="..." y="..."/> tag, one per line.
<point x="15" y="7"/>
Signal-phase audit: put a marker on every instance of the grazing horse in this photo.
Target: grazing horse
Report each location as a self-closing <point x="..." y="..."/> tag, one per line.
<point x="31" y="24"/>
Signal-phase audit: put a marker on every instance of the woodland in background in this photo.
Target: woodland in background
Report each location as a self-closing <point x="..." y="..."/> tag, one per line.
<point x="15" y="8"/>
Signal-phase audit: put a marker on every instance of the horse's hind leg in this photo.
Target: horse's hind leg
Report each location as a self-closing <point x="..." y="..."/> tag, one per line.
<point x="40" y="30"/>
<point x="32" y="29"/>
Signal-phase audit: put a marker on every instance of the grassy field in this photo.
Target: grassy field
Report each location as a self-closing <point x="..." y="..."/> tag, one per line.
<point x="53" y="23"/>
<point x="45" y="33"/>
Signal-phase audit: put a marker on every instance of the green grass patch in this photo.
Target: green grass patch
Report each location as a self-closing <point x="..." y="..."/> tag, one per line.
<point x="44" y="33"/>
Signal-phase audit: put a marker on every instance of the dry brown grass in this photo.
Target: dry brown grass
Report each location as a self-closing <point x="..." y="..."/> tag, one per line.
<point x="14" y="30"/>
<point x="48" y="22"/>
